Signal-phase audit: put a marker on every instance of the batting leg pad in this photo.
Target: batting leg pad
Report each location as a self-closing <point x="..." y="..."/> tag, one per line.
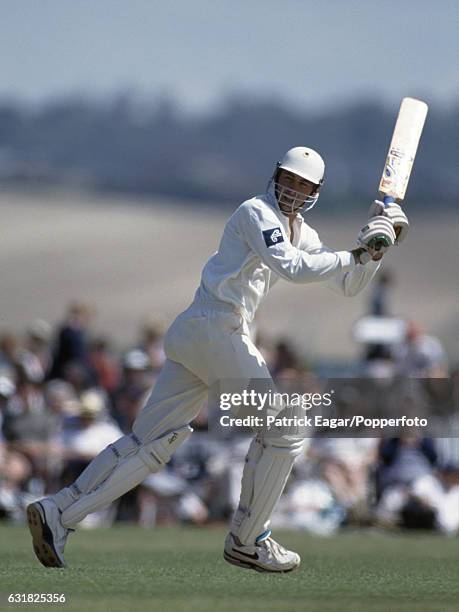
<point x="96" y="472"/>
<point x="267" y="468"/>
<point x="129" y="471"/>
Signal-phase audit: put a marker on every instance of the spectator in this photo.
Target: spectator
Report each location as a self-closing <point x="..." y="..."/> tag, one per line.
<point x="89" y="431"/>
<point x="136" y="383"/>
<point x="7" y="390"/>
<point x="72" y="343"/>
<point x="379" y="302"/>
<point x="104" y="365"/>
<point x="404" y="462"/>
<point x="28" y="426"/>
<point x="345" y="465"/>
<point x="38" y="343"/>
<point x="420" y="355"/>
<point x="61" y="397"/>
<point x="151" y="342"/>
<point x="437" y="496"/>
<point x="14" y="467"/>
<point x="285" y="358"/>
<point x="129" y="402"/>
<point x="79" y="376"/>
<point x="9" y="346"/>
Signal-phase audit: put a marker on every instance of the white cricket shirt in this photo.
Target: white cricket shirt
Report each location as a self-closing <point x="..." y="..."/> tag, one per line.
<point x="256" y="250"/>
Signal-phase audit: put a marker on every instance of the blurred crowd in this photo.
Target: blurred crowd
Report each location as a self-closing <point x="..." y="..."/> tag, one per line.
<point x="65" y="395"/>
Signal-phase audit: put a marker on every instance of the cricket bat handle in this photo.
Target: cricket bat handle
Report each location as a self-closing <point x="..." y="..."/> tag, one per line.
<point x="388" y="200"/>
<point x="379" y="242"/>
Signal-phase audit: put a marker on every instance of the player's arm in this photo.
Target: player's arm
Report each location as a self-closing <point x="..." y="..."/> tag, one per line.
<point x="266" y="237"/>
<point x="354" y="281"/>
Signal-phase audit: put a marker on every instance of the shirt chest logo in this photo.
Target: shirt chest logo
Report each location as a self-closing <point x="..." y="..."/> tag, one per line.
<point x="273" y="236"/>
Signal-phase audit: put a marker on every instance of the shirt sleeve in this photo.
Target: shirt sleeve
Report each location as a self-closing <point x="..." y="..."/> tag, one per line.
<point x="351" y="282"/>
<point x="266" y="237"/>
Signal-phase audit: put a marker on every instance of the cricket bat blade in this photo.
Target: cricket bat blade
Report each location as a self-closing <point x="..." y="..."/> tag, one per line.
<point x="402" y="150"/>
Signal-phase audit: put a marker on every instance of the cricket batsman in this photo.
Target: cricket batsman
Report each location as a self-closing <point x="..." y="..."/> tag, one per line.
<point x="265" y="239"/>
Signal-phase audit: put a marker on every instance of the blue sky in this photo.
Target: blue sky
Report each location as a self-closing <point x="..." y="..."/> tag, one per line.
<point x="310" y="53"/>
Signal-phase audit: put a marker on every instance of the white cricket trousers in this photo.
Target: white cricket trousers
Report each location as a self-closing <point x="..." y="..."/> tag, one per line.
<point x="207" y="344"/>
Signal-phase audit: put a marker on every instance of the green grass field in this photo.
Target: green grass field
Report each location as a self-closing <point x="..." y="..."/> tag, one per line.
<point x="170" y="569"/>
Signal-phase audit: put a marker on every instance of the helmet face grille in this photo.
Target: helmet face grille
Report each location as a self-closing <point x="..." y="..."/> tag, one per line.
<point x="291" y="201"/>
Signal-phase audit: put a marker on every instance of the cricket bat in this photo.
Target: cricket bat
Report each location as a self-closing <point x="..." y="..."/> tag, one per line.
<point x="402" y="151"/>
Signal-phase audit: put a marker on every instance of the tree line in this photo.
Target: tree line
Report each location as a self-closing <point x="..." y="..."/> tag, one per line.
<point x="155" y="149"/>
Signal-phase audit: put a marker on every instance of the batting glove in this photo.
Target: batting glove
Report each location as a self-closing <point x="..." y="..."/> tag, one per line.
<point x="377" y="235"/>
<point x="396" y="215"/>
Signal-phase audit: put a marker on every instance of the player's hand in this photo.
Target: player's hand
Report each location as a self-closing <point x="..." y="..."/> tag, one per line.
<point x="395" y="213"/>
<point x="377" y="236"/>
<point x="362" y="256"/>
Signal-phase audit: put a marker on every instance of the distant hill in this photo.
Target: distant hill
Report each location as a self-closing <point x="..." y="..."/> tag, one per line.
<point x="121" y="146"/>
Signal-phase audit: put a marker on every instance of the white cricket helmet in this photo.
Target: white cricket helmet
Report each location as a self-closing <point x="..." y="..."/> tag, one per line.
<point x="308" y="164"/>
<point x="305" y="162"/>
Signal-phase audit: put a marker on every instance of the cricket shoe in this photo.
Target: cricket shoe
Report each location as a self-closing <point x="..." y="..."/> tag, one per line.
<point x="266" y="555"/>
<point x="48" y="534"/>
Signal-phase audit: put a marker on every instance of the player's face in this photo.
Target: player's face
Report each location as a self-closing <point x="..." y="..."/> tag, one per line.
<point x="292" y="191"/>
